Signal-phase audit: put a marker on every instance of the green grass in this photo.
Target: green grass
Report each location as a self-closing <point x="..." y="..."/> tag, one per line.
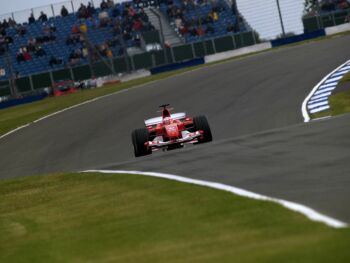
<point x="130" y="218"/>
<point x="339" y="103"/>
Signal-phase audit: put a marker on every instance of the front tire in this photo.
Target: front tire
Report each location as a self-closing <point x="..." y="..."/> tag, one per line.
<point x="201" y="123"/>
<point x="139" y="137"/>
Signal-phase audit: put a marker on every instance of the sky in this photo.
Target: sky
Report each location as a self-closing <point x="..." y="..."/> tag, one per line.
<point x="262" y="15"/>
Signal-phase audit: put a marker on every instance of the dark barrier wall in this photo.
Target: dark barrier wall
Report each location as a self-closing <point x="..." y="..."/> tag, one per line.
<point x="4" y="88"/>
<point x="159" y="57"/>
<point x="151" y="37"/>
<point x="23" y="84"/>
<point x="311" y="24"/>
<point x="224" y="44"/>
<point x="144" y="60"/>
<point x="15" y="102"/>
<point x="82" y="73"/>
<point x="182" y="53"/>
<point x="41" y="81"/>
<point x="315" y="23"/>
<point x="103" y="68"/>
<point x="63" y="74"/>
<point x="122" y="64"/>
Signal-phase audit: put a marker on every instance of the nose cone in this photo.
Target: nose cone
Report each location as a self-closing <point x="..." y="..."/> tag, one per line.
<point x="172" y="131"/>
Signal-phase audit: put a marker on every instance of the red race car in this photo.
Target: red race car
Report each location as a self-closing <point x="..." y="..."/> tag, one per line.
<point x="170" y="131"/>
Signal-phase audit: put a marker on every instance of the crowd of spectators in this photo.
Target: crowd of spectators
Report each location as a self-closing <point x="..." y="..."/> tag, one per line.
<point x="34" y="45"/>
<point x="333" y="5"/>
<point x="196" y="25"/>
<point x="126" y="23"/>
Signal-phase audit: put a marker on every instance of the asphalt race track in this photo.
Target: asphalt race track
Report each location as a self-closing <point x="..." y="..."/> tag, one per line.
<point x="254" y="108"/>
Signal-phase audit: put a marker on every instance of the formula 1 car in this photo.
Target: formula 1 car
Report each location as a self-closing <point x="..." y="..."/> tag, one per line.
<point x="170" y="131"/>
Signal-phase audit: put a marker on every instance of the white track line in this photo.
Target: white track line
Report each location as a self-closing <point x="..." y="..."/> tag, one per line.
<point x="308" y="212"/>
<point x="304" y="110"/>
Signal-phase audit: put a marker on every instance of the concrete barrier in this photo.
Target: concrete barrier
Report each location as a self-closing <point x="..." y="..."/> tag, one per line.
<point x="337" y="29"/>
<point x="237" y="52"/>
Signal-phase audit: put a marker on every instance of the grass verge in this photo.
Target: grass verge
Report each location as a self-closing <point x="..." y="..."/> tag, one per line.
<point x="17" y="116"/>
<point x="131" y="218"/>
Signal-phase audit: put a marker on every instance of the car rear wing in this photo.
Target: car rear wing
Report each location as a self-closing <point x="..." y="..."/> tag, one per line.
<point x="157" y="120"/>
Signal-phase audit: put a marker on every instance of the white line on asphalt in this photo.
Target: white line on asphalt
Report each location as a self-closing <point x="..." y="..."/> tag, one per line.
<point x="308" y="212"/>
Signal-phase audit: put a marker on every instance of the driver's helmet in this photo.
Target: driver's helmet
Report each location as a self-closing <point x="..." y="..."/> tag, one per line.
<point x="167" y="121"/>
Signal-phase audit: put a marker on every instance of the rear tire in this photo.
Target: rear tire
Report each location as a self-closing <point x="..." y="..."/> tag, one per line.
<point x="139" y="137"/>
<point x="201" y="123"/>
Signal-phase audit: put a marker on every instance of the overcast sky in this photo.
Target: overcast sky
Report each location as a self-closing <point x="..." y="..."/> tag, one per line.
<point x="262" y="15"/>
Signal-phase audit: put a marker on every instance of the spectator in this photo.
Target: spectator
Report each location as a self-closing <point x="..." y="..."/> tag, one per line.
<point x="43" y="17"/>
<point x="19" y="56"/>
<point x="210" y="30"/>
<point x="109" y="53"/>
<point x="74" y="57"/>
<point x="21" y="30"/>
<point x="27" y="56"/>
<point x="39" y="51"/>
<point x="83" y="28"/>
<point x="137" y="26"/>
<point x="90" y="23"/>
<point x="110" y="3"/>
<point x="178" y="22"/>
<point x="75" y="29"/>
<point x="46" y="29"/>
<point x="131" y="12"/>
<point x="55" y="61"/>
<point x="83" y="11"/>
<point x="5" y="24"/>
<point x="91" y="9"/>
<point x="126" y="35"/>
<point x="103" y="18"/>
<point x="103" y="5"/>
<point x="200" y="31"/>
<point x="116" y="11"/>
<point x="167" y="44"/>
<point x="64" y="11"/>
<point x="31" y="19"/>
<point x="8" y="40"/>
<point x="213" y="15"/>
<point x="52" y="28"/>
<point x="85" y="51"/>
<point x="31" y="44"/>
<point x="230" y="28"/>
<point x="12" y="22"/>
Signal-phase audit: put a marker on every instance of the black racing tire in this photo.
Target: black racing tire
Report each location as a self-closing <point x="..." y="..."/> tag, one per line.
<point x="139" y="137"/>
<point x="201" y="123"/>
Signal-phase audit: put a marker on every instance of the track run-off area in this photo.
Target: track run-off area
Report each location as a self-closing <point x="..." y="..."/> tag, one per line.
<point x="253" y="105"/>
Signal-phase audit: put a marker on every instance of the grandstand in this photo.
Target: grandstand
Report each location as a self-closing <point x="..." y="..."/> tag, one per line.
<point x="88" y="35"/>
